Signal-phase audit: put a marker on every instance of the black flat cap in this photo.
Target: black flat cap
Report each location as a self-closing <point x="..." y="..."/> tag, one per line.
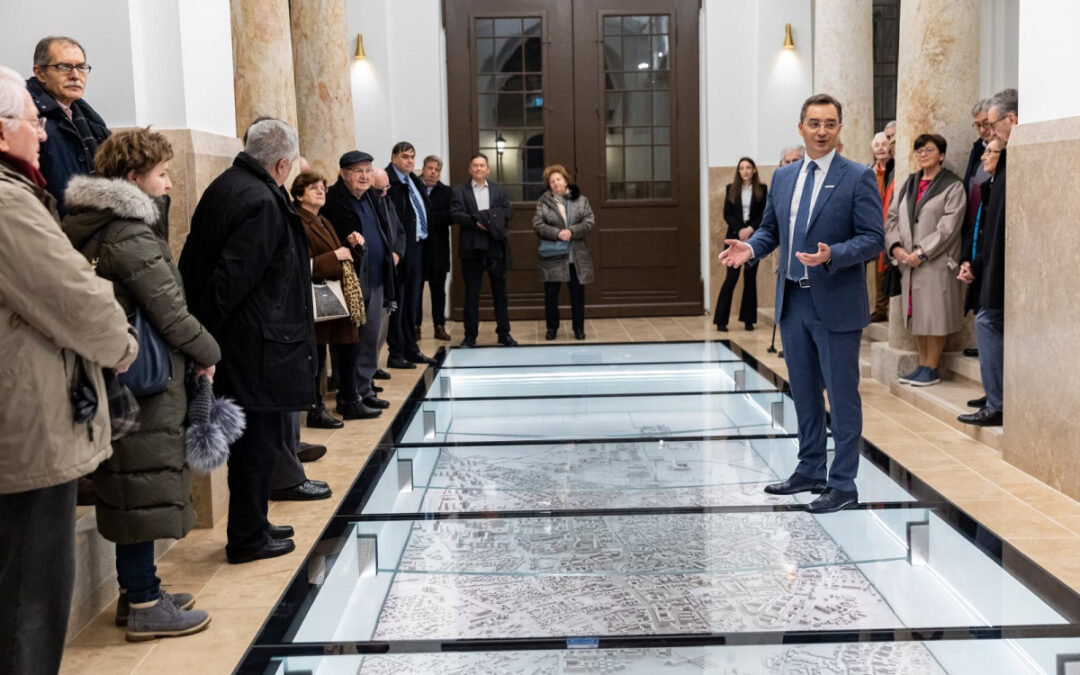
<point x="354" y="157"/>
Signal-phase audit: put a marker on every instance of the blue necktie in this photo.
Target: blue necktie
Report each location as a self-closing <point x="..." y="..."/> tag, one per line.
<point x="796" y="270"/>
<point x="418" y="207"/>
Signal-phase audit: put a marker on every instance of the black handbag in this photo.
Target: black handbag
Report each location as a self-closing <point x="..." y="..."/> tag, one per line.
<point x="892" y="278"/>
<point x="151" y="371"/>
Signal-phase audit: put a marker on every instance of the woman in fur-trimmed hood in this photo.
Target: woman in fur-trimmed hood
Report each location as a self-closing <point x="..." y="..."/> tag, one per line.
<point x="144" y="489"/>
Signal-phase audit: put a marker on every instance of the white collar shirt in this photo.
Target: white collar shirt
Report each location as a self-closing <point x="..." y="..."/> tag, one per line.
<point x="480" y="193"/>
<point x="823" y="164"/>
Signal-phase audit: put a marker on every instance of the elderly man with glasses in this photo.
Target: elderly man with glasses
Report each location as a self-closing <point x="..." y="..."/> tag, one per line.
<point x="74" y="129"/>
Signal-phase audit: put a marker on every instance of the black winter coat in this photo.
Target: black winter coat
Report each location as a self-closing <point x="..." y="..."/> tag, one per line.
<point x="437" y="251"/>
<point x="341" y="214"/>
<point x="401" y="198"/>
<point x="247" y="274"/>
<point x="472" y="241"/>
<point x="989" y="265"/>
<point x="63" y="154"/>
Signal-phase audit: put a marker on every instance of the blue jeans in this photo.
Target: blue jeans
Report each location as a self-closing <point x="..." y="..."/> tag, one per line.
<point x="136" y="572"/>
<point x="990" y="336"/>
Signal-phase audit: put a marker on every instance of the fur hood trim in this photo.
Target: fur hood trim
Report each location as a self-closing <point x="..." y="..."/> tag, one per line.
<point x="115" y="195"/>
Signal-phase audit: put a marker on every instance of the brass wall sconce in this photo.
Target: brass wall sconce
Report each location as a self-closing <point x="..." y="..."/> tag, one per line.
<point x="360" y="55"/>
<point x="788" y="42"/>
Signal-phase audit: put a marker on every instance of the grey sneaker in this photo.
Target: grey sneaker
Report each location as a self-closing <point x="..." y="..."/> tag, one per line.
<point x="164" y="619"/>
<point x="927" y="377"/>
<point x="123" y="608"/>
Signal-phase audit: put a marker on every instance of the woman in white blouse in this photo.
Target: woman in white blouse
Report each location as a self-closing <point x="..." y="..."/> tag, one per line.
<point x="743" y="205"/>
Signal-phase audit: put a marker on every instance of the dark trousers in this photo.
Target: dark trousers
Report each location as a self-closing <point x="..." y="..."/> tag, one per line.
<point x="472" y="269"/>
<point x="251" y="467"/>
<point x="748" y="305"/>
<point x="409" y="288"/>
<point x="436" y="282"/>
<point x="577" y="302"/>
<point x="37" y="575"/>
<point x="818" y="358"/>
<point x="288" y="470"/>
<point x="367" y="349"/>
<point x="344" y="363"/>
<point x="136" y="571"/>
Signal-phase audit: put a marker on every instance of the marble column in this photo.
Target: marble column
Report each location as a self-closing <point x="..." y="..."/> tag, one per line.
<point x="844" y="68"/>
<point x="322" y="58"/>
<point x="937" y="83"/>
<point x="262" y="61"/>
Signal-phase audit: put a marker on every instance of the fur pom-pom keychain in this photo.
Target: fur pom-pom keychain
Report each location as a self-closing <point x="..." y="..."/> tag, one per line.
<point x="212" y="425"/>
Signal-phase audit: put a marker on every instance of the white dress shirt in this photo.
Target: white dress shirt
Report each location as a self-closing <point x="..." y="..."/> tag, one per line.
<point x="480" y="193"/>
<point x="823" y="164"/>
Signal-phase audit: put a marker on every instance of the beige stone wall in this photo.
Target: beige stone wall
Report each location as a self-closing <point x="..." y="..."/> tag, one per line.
<point x="1042" y="335"/>
<point x="844" y="68"/>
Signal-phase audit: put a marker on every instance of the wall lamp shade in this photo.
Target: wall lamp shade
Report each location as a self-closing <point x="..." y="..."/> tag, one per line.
<point x="788" y="42"/>
<point x="500" y="144"/>
<point x="360" y="55"/>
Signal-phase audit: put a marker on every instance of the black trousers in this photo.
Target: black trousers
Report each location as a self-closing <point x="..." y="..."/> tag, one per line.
<point x="472" y="269"/>
<point x="436" y="282"/>
<point x="251" y="467"/>
<point x="37" y="576"/>
<point x="577" y="302"/>
<point x="288" y="470"/>
<point x="748" y="306"/>
<point x="344" y="362"/>
<point x="409" y="287"/>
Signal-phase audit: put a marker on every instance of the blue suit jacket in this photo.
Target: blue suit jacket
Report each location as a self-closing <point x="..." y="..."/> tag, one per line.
<point x="847" y="216"/>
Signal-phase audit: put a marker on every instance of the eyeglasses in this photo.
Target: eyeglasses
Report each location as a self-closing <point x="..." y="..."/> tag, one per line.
<point x="989" y="152"/>
<point x="65" y="68"/>
<point x="996" y="122"/>
<point x="814" y="125"/>
<point x="39" y="122"/>
<point x="979" y="126"/>
<point x="926" y="150"/>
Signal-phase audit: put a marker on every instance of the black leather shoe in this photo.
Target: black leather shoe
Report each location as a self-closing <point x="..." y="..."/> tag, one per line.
<point x="833" y="500"/>
<point x="320" y="419"/>
<point x="579" y="334"/>
<point x="551" y="333"/>
<point x="418" y="357"/>
<point x="971" y="351"/>
<point x="977" y="402"/>
<point x="280" y="531"/>
<point x="749" y="325"/>
<point x="307" y="491"/>
<point x="468" y="343"/>
<point x="309" y="452"/>
<point x="796" y="484"/>
<point x="375" y="402"/>
<point x="984" y="417"/>
<point x="381" y="374"/>
<point x="355" y="410"/>
<point x="722" y="327"/>
<point x="376" y="388"/>
<point x="319" y="483"/>
<point x="507" y="340"/>
<point x="398" y="362"/>
<point x="271" y="549"/>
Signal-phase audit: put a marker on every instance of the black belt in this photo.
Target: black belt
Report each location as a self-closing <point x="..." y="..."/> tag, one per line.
<point x="801" y="283"/>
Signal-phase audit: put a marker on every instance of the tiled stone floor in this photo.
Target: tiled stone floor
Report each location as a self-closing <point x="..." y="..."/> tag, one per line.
<point x="1039" y="521"/>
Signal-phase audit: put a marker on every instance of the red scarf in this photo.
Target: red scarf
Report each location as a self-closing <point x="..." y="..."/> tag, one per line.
<point x="28" y="170"/>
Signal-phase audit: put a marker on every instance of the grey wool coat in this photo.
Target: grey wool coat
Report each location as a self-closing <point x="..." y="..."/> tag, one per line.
<point x="547" y="222"/>
<point x="932" y="224"/>
<point x="144" y="489"/>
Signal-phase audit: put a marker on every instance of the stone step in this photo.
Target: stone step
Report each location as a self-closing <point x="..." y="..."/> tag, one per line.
<point x="945" y="401"/>
<point x="876" y="332"/>
<point x="962" y="367"/>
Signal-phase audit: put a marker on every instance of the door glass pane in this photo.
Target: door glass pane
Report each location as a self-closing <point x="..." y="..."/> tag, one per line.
<point x="637" y="82"/>
<point x="510" y="101"/>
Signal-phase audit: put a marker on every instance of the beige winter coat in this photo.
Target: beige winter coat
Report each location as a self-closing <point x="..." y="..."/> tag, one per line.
<point x="53" y="309"/>
<point x="932" y="224"/>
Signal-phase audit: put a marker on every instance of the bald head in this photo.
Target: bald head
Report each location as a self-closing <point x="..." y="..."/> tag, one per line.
<point x="379" y="179"/>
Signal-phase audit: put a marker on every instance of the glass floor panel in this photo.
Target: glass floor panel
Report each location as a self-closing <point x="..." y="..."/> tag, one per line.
<point x="596" y="380"/>
<point x="939" y="657"/>
<point x="593" y="354"/>
<point x="734" y="414"/>
<point x="599" y="509"/>
<point x="571" y="476"/>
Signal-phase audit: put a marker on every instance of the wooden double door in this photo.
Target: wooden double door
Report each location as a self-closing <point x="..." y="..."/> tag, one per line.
<point x="608" y="89"/>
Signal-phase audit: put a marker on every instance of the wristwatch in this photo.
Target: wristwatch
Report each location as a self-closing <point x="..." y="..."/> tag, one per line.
<point x="922" y="256"/>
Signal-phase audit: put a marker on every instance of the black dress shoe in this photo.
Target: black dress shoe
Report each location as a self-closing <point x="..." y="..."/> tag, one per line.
<point x="355" y="410"/>
<point x="280" y="531"/>
<point x="468" y="343"/>
<point x="420" y="358"/>
<point x="309" y="452"/>
<point x="319" y="483"/>
<point x="971" y="351"/>
<point x="507" y="340"/>
<point x="398" y="362"/>
<point x="271" y="549"/>
<point x="722" y="327"/>
<point x="749" y="325"/>
<point x="795" y="484"/>
<point x="977" y="402"/>
<point x="376" y="388"/>
<point x="307" y="491"/>
<point x="381" y="374"/>
<point x="982" y="418"/>
<point x="579" y="334"/>
<point x="375" y="402"/>
<point x="833" y="500"/>
<point x="551" y="333"/>
<point x="321" y="419"/>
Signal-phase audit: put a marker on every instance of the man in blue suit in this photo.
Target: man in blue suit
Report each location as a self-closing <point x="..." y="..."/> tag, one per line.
<point x="825" y="215"/>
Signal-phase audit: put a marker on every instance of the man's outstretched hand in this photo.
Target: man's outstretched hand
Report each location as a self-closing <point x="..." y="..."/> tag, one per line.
<point x="823" y="255"/>
<point x="736" y="254"/>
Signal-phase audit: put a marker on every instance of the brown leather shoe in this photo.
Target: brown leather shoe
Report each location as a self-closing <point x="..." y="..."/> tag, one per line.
<point x="441" y="334"/>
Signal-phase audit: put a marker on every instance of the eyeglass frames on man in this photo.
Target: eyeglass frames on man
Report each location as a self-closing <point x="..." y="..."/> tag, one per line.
<point x="39" y="122"/>
<point x="66" y="68"/>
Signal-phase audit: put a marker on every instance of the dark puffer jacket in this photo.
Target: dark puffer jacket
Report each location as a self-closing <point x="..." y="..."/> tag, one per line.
<point x="144" y="490"/>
